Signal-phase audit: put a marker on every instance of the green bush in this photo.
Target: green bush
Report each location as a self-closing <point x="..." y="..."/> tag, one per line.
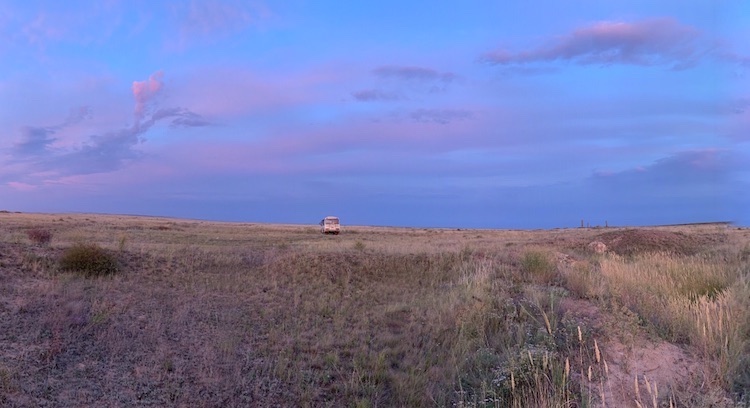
<point x="538" y="266"/>
<point x="89" y="260"/>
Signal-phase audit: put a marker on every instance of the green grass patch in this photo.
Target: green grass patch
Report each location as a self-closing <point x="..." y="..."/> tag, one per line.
<point x="89" y="260"/>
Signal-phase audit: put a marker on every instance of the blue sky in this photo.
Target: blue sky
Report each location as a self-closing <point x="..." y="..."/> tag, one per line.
<point x="478" y="114"/>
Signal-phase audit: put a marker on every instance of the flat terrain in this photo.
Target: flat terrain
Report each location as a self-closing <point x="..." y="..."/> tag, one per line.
<point x="205" y="314"/>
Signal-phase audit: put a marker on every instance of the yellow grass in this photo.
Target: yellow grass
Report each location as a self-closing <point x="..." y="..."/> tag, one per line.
<point x="702" y="301"/>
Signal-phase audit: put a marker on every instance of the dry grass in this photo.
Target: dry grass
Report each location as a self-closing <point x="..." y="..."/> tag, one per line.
<point x="221" y="314"/>
<point x="703" y="301"/>
<point x="39" y="236"/>
<point x="700" y="300"/>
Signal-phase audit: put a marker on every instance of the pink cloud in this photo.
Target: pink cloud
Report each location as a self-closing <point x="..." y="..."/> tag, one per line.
<point x="21" y="186"/>
<point x="649" y="42"/>
<point x="145" y="91"/>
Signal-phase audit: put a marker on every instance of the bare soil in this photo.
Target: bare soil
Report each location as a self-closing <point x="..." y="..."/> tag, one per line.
<point x="634" y="355"/>
<point x="633" y="241"/>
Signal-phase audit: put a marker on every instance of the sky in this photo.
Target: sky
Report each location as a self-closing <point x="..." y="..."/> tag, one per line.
<point x="472" y="114"/>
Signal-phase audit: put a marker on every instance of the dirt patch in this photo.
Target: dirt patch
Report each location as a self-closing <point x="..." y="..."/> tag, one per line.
<point x="657" y="362"/>
<point x="634" y="241"/>
<point x="662" y="370"/>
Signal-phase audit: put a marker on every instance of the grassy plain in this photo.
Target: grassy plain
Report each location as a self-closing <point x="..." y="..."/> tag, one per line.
<point x="238" y="314"/>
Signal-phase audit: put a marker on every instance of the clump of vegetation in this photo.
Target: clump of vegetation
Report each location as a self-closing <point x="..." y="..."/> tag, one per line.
<point x="690" y="300"/>
<point x="39" y="236"/>
<point x="88" y="259"/>
<point x="121" y="242"/>
<point x="36" y="263"/>
<point x="538" y="266"/>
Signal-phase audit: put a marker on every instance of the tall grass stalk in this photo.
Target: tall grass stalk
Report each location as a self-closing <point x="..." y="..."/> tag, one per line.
<point x="691" y="300"/>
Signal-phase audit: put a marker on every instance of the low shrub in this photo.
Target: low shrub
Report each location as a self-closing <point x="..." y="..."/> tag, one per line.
<point x="359" y="246"/>
<point x="39" y="236"/>
<point x="539" y="267"/>
<point x="88" y="259"/>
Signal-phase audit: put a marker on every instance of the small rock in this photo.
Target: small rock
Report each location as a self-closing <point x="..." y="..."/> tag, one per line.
<point x="598" y="247"/>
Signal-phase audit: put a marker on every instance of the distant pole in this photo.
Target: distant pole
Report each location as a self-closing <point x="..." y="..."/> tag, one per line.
<point x="581" y="222"/>
<point x="606" y="224"/>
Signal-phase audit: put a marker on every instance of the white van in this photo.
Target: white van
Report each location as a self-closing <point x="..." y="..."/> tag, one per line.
<point x="330" y="225"/>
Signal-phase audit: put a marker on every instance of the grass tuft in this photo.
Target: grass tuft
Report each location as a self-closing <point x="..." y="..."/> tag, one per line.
<point x="539" y="267"/>
<point x="39" y="236"/>
<point x="360" y="246"/>
<point x="89" y="260"/>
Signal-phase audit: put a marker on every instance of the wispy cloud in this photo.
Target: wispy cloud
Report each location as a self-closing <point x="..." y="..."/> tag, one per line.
<point x="41" y="29"/>
<point x="371" y="95"/>
<point x="659" y="42"/>
<point x="208" y="20"/>
<point x="687" y="186"/>
<point x="401" y="82"/>
<point x="418" y="79"/>
<point x="77" y="115"/>
<point x="34" y="140"/>
<point x="21" y="186"/>
<point x="186" y="118"/>
<point x="440" y="116"/>
<point x="700" y="167"/>
<point x="411" y="73"/>
<point x="35" y="153"/>
<point x="42" y="25"/>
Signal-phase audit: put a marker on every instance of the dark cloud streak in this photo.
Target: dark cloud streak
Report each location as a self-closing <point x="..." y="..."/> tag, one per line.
<point x="34" y="140"/>
<point x="373" y="95"/>
<point x="693" y="172"/>
<point x="408" y="73"/>
<point x="397" y="82"/>
<point x="663" y="42"/>
<point x="111" y="151"/>
<point x="440" y="116"/>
